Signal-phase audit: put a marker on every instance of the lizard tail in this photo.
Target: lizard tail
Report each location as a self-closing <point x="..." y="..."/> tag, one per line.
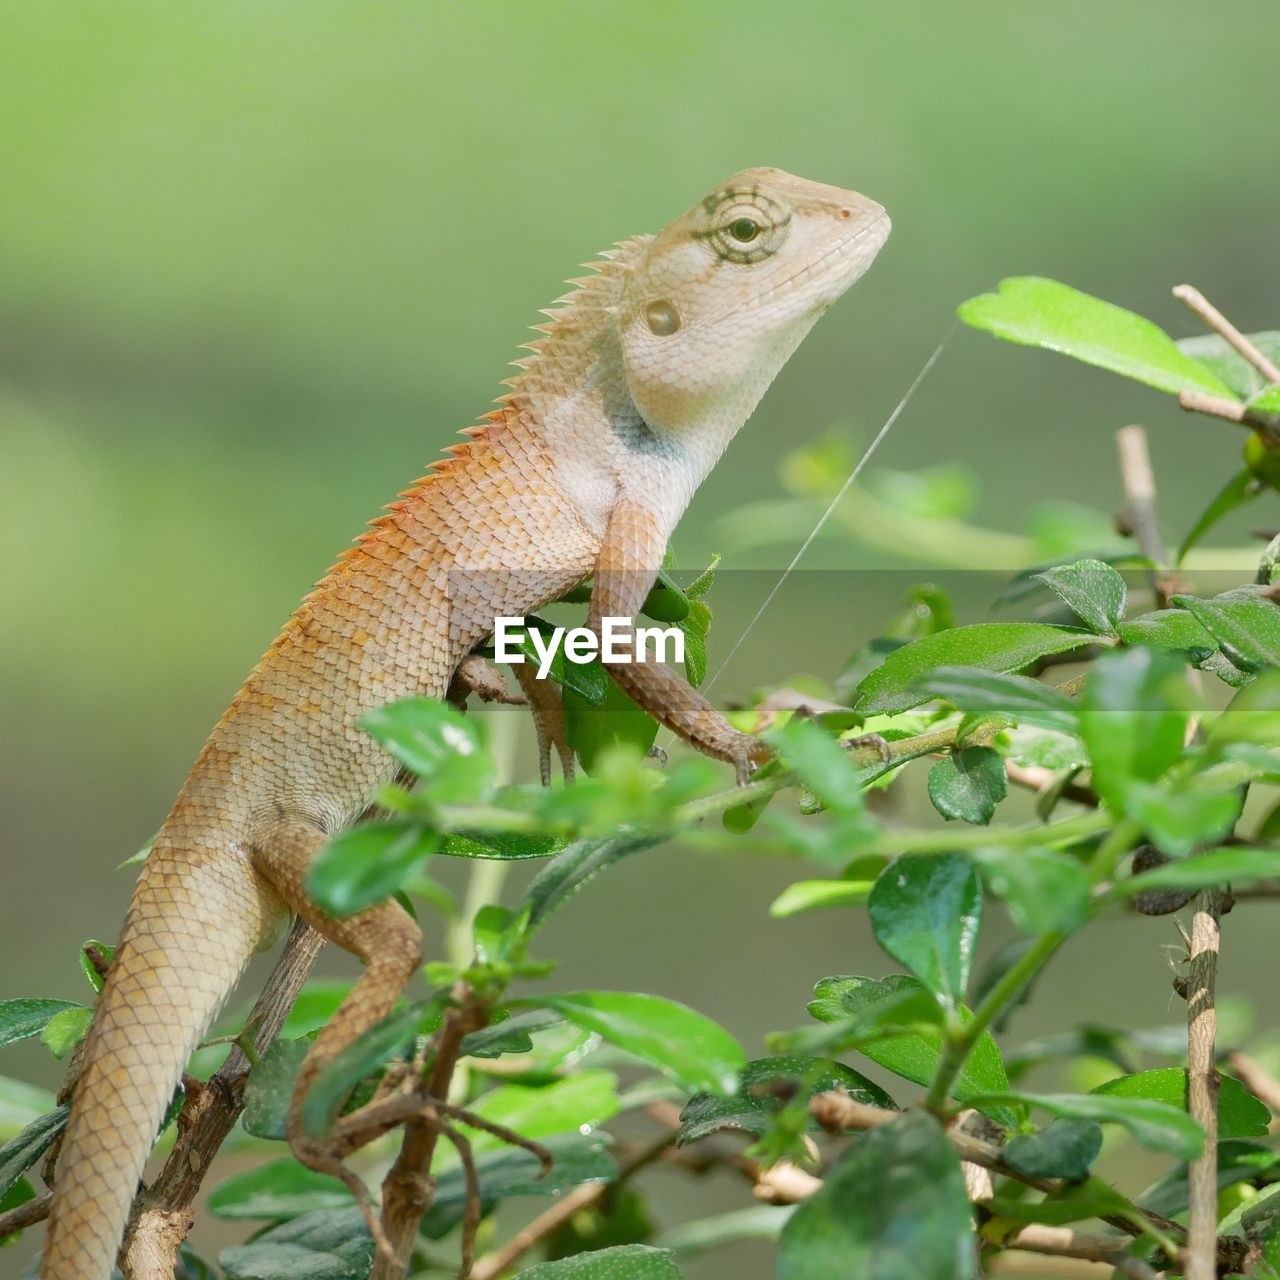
<point x="195" y="920"/>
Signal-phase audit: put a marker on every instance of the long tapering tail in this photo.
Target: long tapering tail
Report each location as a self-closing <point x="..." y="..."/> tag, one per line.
<point x="194" y="922"/>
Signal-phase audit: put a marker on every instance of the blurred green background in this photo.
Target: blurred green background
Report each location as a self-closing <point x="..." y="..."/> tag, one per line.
<point x="258" y="262"/>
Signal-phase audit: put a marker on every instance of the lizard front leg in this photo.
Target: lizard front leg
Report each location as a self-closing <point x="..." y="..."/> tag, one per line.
<point x="626" y="569"/>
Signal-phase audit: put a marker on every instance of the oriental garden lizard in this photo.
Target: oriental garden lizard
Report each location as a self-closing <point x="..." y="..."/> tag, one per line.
<point x="633" y="389"/>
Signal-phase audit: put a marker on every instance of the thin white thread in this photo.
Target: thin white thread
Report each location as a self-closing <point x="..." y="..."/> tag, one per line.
<point x="831" y="506"/>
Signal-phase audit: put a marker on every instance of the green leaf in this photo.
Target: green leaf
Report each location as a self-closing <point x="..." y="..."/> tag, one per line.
<point x="996" y="693"/>
<point x="20" y="1019"/>
<point x="1044" y="891"/>
<point x="270" y="1087"/>
<point x="815" y="895"/>
<point x="20" y="1104"/>
<point x="765" y="1085"/>
<point x="1235" y="493"/>
<point x="992" y="646"/>
<point x="327" y="1245"/>
<point x="22" y="1151"/>
<point x="508" y="1035"/>
<point x="1026" y="744"/>
<point x="506" y="846"/>
<point x="89" y="968"/>
<point x="506" y="1171"/>
<point x="623" y="1262"/>
<point x="925" y="912"/>
<point x="1044" y="313"/>
<point x="666" y="601"/>
<point x="820" y="762"/>
<point x="65" y="1030"/>
<point x="1155" y="1124"/>
<point x="686" y="1046"/>
<point x="277" y="1189"/>
<point x="617" y="721"/>
<point x="588" y="680"/>
<point x="1169" y="629"/>
<point x="849" y="1003"/>
<point x="1092" y="1199"/>
<point x="968" y="784"/>
<point x="437" y="742"/>
<point x="1267" y="401"/>
<point x="1209" y="870"/>
<point x="1130" y="725"/>
<point x="1180" y="817"/>
<point x="1245" y="624"/>
<point x="367" y="863"/>
<point x="762" y="1222"/>
<point x="569" y="870"/>
<point x="1062" y="1149"/>
<point x="580" y="1102"/>
<point x="334" y="1081"/>
<point x="1240" y="1114"/>
<point x="894" y="1207"/>
<point x="1225" y="362"/>
<point x="1092" y="590"/>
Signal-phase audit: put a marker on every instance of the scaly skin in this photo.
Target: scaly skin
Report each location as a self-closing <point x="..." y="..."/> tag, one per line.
<point x="643" y="376"/>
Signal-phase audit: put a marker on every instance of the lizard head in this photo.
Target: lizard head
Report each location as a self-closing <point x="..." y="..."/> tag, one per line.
<point x="722" y="296"/>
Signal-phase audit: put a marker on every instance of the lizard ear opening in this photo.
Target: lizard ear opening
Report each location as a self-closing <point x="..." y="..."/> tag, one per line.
<point x="662" y="318"/>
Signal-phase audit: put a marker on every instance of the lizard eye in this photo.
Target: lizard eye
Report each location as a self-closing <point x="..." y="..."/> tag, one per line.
<point x="743" y="226"/>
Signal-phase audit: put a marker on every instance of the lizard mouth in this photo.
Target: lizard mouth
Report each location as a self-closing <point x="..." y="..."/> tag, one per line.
<point x="802" y="273"/>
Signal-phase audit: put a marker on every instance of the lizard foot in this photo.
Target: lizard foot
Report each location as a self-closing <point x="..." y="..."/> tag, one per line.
<point x="869" y="741"/>
<point x="322" y="1157"/>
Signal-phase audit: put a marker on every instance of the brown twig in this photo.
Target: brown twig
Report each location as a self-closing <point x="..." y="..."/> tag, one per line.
<point x="1200" y="1254"/>
<point x="1215" y="407"/>
<point x="1262" y="1084"/>
<point x="25" y="1215"/>
<point x="163" y="1213"/>
<point x="495" y="1264"/>
<point x="836" y="1112"/>
<point x="1063" y="1242"/>
<point x="1140" y="506"/>
<point x="1219" y="323"/>
<point x="1035" y="777"/>
<point x="407" y="1190"/>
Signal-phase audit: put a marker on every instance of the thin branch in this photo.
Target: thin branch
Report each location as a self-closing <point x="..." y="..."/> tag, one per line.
<point x="1140" y="504"/>
<point x="163" y="1213"/>
<point x="1214" y="406"/>
<point x="1200" y="1255"/>
<point x="26" y="1215"/>
<point x="1063" y="1242"/>
<point x="496" y="1264"/>
<point x="1219" y="323"/>
<point x="1262" y="1084"/>
<point x="837" y="1112"/>
<point x="407" y="1189"/>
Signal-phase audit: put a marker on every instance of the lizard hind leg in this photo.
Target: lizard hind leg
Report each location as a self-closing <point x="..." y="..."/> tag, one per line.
<point x="384" y="937"/>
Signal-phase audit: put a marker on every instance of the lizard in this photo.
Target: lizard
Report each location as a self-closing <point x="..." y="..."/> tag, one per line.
<point x="633" y="388"/>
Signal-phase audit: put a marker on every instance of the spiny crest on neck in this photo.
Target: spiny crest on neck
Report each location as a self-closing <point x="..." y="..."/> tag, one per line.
<point x="563" y="338"/>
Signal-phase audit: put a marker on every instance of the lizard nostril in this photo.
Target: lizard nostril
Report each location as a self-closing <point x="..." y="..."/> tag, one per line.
<point x="846" y="213"/>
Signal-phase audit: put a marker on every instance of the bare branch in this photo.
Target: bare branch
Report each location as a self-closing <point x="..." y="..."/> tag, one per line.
<point x="1200" y="1255"/>
<point x="1219" y="323"/>
<point x="496" y="1264"/>
<point x="25" y="1215"/>
<point x="1262" y="1084"/>
<point x="1063" y="1242"/>
<point x="1214" y="406"/>
<point x="1140" y="504"/>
